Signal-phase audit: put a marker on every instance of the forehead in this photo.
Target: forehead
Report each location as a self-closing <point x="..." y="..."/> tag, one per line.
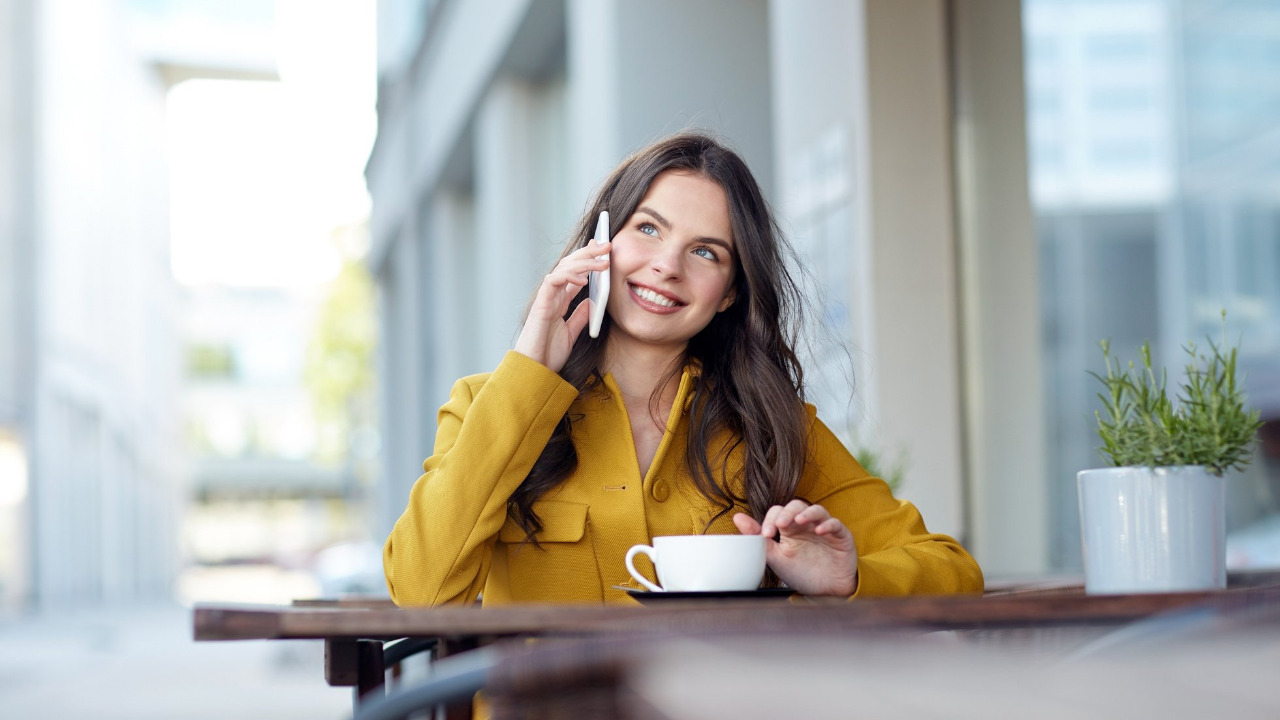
<point x="692" y="202"/>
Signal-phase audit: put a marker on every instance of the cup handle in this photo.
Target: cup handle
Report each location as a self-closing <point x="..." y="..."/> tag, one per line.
<point x="631" y="568"/>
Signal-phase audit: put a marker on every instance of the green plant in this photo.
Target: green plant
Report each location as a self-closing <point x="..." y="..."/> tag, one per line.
<point x="340" y="359"/>
<point x="877" y="464"/>
<point x="1210" y="425"/>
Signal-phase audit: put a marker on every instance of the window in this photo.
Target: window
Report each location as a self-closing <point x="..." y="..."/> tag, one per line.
<point x="1170" y="217"/>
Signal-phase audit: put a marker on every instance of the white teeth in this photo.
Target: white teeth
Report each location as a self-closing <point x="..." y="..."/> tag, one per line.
<point x="653" y="297"/>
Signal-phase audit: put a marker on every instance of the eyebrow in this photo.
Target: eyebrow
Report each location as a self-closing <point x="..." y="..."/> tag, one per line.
<point x="665" y="223"/>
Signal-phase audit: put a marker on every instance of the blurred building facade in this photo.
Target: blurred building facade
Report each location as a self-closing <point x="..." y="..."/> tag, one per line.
<point x="92" y="471"/>
<point x="87" y="371"/>
<point x="496" y="121"/>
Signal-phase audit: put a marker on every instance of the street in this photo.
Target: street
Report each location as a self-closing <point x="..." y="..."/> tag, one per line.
<point x="141" y="663"/>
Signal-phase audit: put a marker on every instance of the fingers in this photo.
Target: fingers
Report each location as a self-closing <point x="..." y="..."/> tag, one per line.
<point x="556" y="292"/>
<point x="798" y="517"/>
<point x="815" y="554"/>
<point x="571" y="278"/>
<point x="578" y="320"/>
<point x="746" y="524"/>
<point x="812" y="515"/>
<point x="769" y="526"/>
<point x="831" y="526"/>
<point x="577" y="264"/>
<point x="781" y="517"/>
<point x="573" y="272"/>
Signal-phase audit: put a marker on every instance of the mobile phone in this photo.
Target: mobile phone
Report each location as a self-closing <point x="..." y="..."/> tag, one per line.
<point x="598" y="282"/>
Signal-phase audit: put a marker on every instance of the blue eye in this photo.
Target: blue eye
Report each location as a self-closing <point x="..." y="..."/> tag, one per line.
<point x="706" y="252"/>
<point x="648" y="229"/>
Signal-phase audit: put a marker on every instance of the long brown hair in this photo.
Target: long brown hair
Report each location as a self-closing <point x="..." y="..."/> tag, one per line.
<point x="751" y="384"/>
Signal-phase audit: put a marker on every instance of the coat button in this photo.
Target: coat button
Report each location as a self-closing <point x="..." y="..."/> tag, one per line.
<point x="660" y="491"/>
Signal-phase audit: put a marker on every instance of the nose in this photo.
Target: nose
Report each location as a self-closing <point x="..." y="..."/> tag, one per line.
<point x="667" y="262"/>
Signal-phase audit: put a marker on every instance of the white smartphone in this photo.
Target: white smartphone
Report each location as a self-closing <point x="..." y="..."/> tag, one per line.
<point x="598" y="282"/>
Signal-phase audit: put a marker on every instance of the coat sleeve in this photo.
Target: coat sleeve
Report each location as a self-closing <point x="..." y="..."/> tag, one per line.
<point x="897" y="555"/>
<point x="488" y="436"/>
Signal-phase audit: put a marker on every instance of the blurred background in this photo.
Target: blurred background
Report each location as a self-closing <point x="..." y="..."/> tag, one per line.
<point x="247" y="245"/>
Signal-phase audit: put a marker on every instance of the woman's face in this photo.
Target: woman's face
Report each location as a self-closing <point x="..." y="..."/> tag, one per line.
<point x="672" y="264"/>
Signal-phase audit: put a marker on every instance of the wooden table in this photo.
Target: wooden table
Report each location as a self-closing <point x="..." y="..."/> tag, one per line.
<point x="353" y="630"/>
<point x="1196" y="669"/>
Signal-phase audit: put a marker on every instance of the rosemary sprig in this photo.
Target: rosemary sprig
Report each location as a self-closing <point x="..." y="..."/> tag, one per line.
<point x="1211" y="424"/>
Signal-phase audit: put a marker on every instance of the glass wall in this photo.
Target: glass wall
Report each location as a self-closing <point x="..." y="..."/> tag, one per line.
<point x="1154" y="138"/>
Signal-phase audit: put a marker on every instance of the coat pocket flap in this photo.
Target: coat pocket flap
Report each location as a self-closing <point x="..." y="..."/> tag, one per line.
<point x="561" y="522"/>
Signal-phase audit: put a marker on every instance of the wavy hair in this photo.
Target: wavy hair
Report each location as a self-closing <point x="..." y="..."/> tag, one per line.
<point x="751" y="384"/>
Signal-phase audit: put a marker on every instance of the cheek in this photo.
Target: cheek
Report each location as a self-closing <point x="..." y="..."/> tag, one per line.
<point x="627" y="252"/>
<point x="621" y="265"/>
<point x="729" y="293"/>
<point x="619" y="256"/>
<point x="724" y="286"/>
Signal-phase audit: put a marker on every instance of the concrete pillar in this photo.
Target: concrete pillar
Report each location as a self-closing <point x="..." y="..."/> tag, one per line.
<point x="505" y="263"/>
<point x="914" y="350"/>
<point x="636" y="75"/>
<point x="452" y="273"/>
<point x="408" y="423"/>
<point x="1003" y="363"/>
<point x="594" y="95"/>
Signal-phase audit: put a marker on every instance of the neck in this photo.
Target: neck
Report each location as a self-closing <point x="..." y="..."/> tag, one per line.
<point x="638" y="369"/>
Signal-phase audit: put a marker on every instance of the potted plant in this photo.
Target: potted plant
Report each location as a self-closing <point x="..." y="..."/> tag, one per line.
<point x="1156" y="520"/>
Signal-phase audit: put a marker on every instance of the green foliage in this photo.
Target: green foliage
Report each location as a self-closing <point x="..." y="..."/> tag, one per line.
<point x="1210" y="425"/>
<point x="339" y="369"/>
<point x="210" y="362"/>
<point x="878" y="465"/>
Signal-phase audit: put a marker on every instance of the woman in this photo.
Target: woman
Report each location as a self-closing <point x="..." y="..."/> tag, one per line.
<point x="684" y="416"/>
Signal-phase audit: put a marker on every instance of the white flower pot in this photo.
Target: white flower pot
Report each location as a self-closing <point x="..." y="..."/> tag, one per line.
<point x="1153" y="529"/>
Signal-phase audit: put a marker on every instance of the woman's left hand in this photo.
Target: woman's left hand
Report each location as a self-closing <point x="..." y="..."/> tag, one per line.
<point x="812" y="552"/>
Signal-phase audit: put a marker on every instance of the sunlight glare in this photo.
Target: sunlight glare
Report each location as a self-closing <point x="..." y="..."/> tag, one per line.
<point x="262" y="174"/>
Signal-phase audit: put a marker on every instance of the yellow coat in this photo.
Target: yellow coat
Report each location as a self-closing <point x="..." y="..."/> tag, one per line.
<point x="455" y="540"/>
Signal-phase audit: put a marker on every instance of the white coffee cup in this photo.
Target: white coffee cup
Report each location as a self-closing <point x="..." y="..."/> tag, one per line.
<point x="702" y="563"/>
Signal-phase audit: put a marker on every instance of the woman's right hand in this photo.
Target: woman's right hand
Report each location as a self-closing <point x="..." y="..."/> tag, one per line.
<point x="546" y="336"/>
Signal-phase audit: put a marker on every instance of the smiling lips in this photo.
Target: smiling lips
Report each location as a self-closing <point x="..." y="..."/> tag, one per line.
<point x="654" y="300"/>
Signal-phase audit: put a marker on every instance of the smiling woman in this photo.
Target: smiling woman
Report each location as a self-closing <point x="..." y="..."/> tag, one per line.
<point x="685" y="416"/>
<point x="673" y="269"/>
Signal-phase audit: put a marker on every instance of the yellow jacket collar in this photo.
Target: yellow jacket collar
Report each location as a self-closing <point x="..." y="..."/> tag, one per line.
<point x="684" y="391"/>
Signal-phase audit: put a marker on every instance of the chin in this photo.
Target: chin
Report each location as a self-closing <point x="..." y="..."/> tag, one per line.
<point x="650" y="337"/>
